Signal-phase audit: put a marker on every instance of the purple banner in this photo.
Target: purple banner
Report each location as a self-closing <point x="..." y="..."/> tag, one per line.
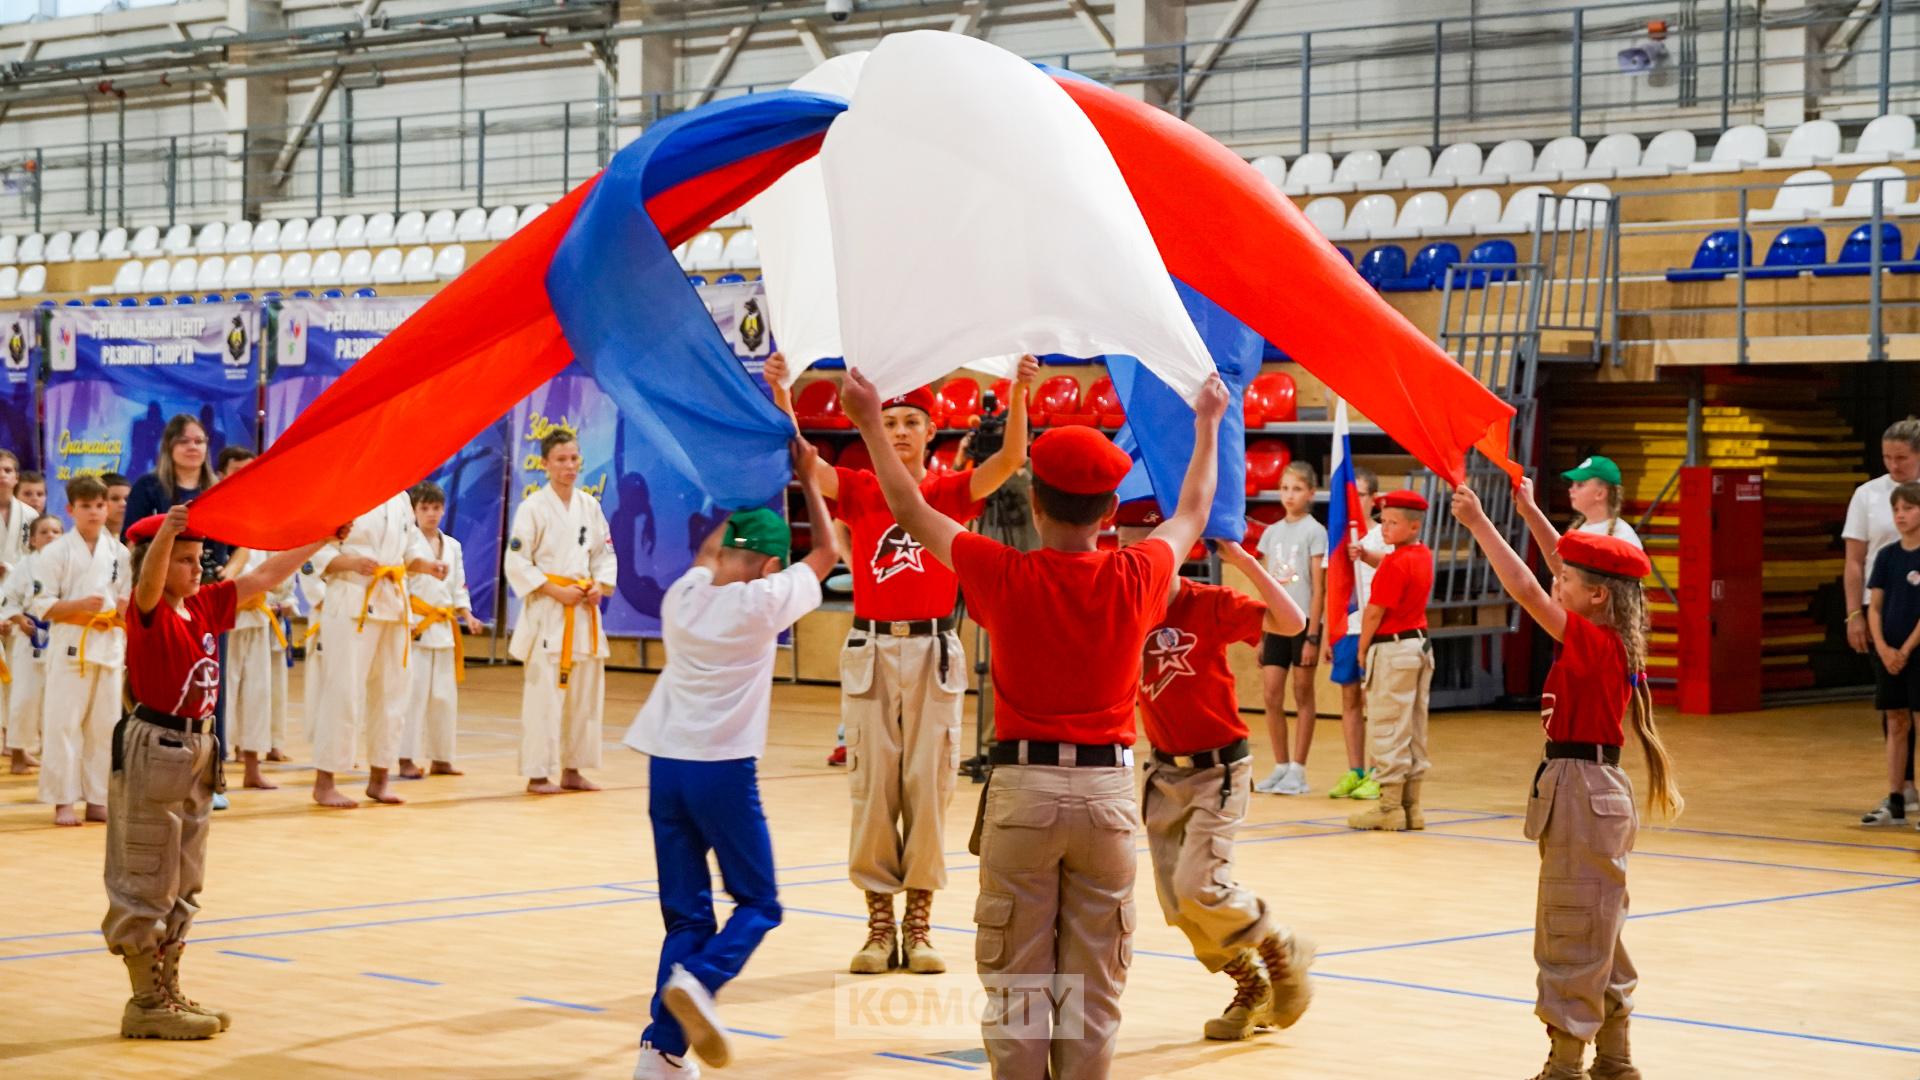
<point x="19" y="417"/>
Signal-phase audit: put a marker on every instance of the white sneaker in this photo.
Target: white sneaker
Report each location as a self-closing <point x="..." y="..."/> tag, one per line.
<point x="1273" y="780"/>
<point x="693" y="1007"/>
<point x="660" y="1065"/>
<point x="1295" y="782"/>
<point x="1882" y="815"/>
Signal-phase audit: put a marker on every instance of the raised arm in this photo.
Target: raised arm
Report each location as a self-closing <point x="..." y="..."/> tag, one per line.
<point x="934" y="530"/>
<point x="1284" y="617"/>
<point x="1545" y="536"/>
<point x="260" y="580"/>
<point x="780" y="381"/>
<point x="1189" y="518"/>
<point x="824" y="555"/>
<point x="1519" y="581"/>
<point x="1004" y="462"/>
<point x="153" y="568"/>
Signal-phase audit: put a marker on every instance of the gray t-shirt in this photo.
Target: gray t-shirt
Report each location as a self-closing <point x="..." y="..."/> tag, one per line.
<point x="1301" y="545"/>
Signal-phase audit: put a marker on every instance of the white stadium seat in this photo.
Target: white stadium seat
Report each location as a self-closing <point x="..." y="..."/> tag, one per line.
<point x="418" y="265"/>
<point x="1408" y="164"/>
<point x="1805" y="194"/>
<point x="387" y="269"/>
<point x="213" y="270"/>
<point x="1859" y="200"/>
<point x="114" y="244"/>
<point x="351" y="232"/>
<point x="742" y="250"/>
<point x="1576" y="213"/>
<point x="33" y="280"/>
<point x="266" y="272"/>
<point x="1423" y="210"/>
<point x="440" y="226"/>
<point x="145" y="243"/>
<point x="320" y="233"/>
<point x="1327" y="214"/>
<point x="266" y="236"/>
<point x="239" y="237"/>
<point x="1611" y="154"/>
<point x="33" y="248"/>
<point x="211" y="238"/>
<point x="1738" y="148"/>
<point x="500" y="222"/>
<point x="293" y="234"/>
<point x="9" y="282"/>
<point x="1357" y="167"/>
<point x="127" y="278"/>
<point x="326" y="268"/>
<point x="1472" y="211"/>
<point x="298" y="270"/>
<point x="178" y="241"/>
<point x="1273" y="167"/>
<point x="1885" y="138"/>
<point x="239" y="273"/>
<point x="1519" y="215"/>
<point x="9" y="246"/>
<point x="1309" y="170"/>
<point x="1457" y="164"/>
<point x="528" y="213"/>
<point x="1506" y="160"/>
<point x="86" y="246"/>
<point x="1564" y="154"/>
<point x="355" y="269"/>
<point x="58" y="248"/>
<point x="1812" y="142"/>
<point x="379" y="229"/>
<point x="1668" y="152"/>
<point x="181" y="277"/>
<point x="154" y="278"/>
<point x="451" y="260"/>
<point x="411" y="229"/>
<point x="1371" y="213"/>
<point x="707" y="252"/>
<point x="471" y="224"/>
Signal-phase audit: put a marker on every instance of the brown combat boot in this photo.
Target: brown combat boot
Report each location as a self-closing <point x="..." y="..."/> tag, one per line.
<point x="1387" y="815"/>
<point x="153" y="1014"/>
<point x="1410" y="801"/>
<point x="879" y="955"/>
<point x="1611" y="1058"/>
<point x="1565" y="1061"/>
<point x="1249" y="1001"/>
<point x="922" y="958"/>
<point x="170" y="978"/>
<point x="1287" y="960"/>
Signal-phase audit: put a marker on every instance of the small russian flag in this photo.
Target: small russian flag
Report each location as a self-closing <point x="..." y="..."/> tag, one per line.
<point x="1344" y="527"/>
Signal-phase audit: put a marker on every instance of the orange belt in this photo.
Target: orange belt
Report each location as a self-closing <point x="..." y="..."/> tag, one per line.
<point x="102" y="621"/>
<point x="259" y="604"/>
<point x="566" y="630"/>
<point x="429" y="615"/>
<point x="6" y="673"/>
<point x="393" y="575"/>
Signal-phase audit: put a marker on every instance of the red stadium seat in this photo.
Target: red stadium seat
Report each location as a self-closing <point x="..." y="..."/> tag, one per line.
<point x="855" y="456"/>
<point x="818" y="406"/>
<point x="1250" y="411"/>
<point x="944" y="452"/>
<point x="1275" y="394"/>
<point x="1266" y="459"/>
<point x="961" y="397"/>
<point x="1057" y="404"/>
<point x="1002" y="394"/>
<point x="1103" y="401"/>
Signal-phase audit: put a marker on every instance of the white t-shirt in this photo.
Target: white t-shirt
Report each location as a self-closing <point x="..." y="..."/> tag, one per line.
<point x="1298" y="545"/>
<point x="1373" y="544"/>
<point x="1619" y="527"/>
<point x="1870" y="518"/>
<point x="711" y="702"/>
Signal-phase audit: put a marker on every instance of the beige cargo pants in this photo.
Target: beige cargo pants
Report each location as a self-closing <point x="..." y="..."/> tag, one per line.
<point x="160" y="794"/>
<point x="1582" y="814"/>
<point x="1399" y="677"/>
<point x="1190" y="836"/>
<point x="1056" y="899"/>
<point x="903" y="753"/>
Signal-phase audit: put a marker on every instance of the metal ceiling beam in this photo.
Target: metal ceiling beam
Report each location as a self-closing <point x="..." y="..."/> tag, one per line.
<point x="819" y="48"/>
<point x="1202" y="65"/>
<point x="1092" y="22"/>
<point x="27" y="52"/>
<point x="967" y="19"/>
<point x="722" y="63"/>
<point x="283" y="161"/>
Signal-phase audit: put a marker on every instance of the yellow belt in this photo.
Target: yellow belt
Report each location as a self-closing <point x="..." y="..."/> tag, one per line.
<point x="102" y="621"/>
<point x="566" y="630"/>
<point x="259" y="604"/>
<point x="395" y="576"/>
<point x="6" y="673"/>
<point x="313" y="628"/>
<point x="430" y="615"/>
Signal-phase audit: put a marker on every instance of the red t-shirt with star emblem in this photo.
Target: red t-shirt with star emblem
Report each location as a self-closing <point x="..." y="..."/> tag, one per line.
<point x="173" y="657"/>
<point x="893" y="576"/>
<point x="1187" y="696"/>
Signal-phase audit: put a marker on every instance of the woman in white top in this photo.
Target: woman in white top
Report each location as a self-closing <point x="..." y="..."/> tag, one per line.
<point x="1593" y="486"/>
<point x="1869" y="528"/>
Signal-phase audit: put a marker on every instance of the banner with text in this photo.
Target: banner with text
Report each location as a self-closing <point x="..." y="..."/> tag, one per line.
<point x="19" y="418"/>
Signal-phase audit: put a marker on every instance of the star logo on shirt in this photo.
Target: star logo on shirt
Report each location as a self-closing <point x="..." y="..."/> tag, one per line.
<point x="1165" y="659"/>
<point x="896" y="553"/>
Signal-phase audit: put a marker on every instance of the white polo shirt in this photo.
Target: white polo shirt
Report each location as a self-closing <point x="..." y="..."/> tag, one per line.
<point x="1870" y="518"/>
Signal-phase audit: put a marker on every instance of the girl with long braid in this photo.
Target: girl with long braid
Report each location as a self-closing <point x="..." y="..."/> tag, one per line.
<point x="1580" y="808"/>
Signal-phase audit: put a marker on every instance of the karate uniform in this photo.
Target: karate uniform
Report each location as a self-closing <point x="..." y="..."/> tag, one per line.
<point x="26" y="664"/>
<point x="363" y="632"/>
<point x="254" y="655"/>
<point x="85" y="657"/>
<point x="278" y="596"/>
<point x="314" y="589"/>
<point x="564" y="697"/>
<point x="433" y="705"/>
<point x="16" y="531"/>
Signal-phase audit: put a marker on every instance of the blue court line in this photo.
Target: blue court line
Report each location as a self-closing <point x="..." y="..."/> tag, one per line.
<point x="247" y="955"/>
<point x="1638" y="854"/>
<point x="399" y="978"/>
<point x="1782" y="839"/>
<point x="961" y="1065"/>
<point x="755" y="1034"/>
<point x="564" y="1004"/>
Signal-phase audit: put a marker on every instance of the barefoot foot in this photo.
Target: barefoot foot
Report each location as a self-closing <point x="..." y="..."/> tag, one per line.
<point x="329" y="796"/>
<point x="573" y="781"/>
<point x="444" y="768"/>
<point x="409" y="771"/>
<point x="275" y="755"/>
<point x="540" y="785"/>
<point x="255" y="780"/>
<point x="64" y="815"/>
<point x="96" y="812"/>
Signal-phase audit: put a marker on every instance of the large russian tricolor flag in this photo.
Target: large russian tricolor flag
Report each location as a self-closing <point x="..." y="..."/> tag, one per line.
<point x="1345" y="527"/>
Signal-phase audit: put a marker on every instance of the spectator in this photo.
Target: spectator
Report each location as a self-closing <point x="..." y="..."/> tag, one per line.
<point x="1869" y="528"/>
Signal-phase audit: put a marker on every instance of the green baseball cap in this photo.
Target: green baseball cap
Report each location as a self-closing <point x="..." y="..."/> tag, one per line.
<point x="1595" y="467"/>
<point x="761" y="530"/>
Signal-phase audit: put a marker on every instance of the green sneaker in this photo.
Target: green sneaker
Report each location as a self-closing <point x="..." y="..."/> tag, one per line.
<point x="1349" y="780"/>
<point x="1366" y="789"/>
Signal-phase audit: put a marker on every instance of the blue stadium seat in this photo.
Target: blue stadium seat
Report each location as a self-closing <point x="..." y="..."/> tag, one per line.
<point x="1429" y="268"/>
<point x="156" y="301"/>
<point x="1794" y="250"/>
<point x="1345" y="253"/>
<point x="732" y="279"/>
<point x="696" y="280"/>
<point x="70" y="303"/>
<point x="1495" y="252"/>
<point x="184" y="298"/>
<point x="1388" y="262"/>
<point x="103" y="302"/>
<point x="333" y="294"/>
<point x="1856" y="253"/>
<point x="129" y="301"/>
<point x="303" y="294"/>
<point x="365" y="294"/>
<point x="212" y="298"/>
<point x="243" y="296"/>
<point x="270" y="294"/>
<point x="1716" y="257"/>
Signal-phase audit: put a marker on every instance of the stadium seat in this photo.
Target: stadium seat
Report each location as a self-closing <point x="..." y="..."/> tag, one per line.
<point x="1506" y="161"/>
<point x="365" y="294"/>
<point x="379" y="230"/>
<point x="1813" y="142"/>
<point x="86" y="246"/>
<point x="178" y="240"/>
<point x="1885" y="138"/>
<point x="451" y="260"/>
<point x="128" y="301"/>
<point x="1056" y="403"/>
<point x="333" y="294"/>
<point x="293" y="234"/>
<point x="1859" y="199"/>
<point x="1345" y="253"/>
<point x="1001" y="391"/>
<point x="33" y="248"/>
<point x="1497" y="252"/>
<point x="1565" y="154"/>
<point x="818" y="406"/>
<point x="732" y="278"/>
<point x="1805" y="194"/>
<point x="1422" y="211"/>
<point x="211" y="272"/>
<point x="471" y="225"/>
<point x="183" y="274"/>
<point x="696" y="280"/>
<point x="355" y="269"/>
<point x="58" y="247"/>
<point x="1856" y="252"/>
<point x="1388" y="262"/>
<point x="1799" y="248"/>
<point x="1668" y="152"/>
<point x="1718" y="255"/>
<point x="321" y="233"/>
<point x="1372" y="215"/>
<point x="239" y="237"/>
<point x="440" y="227"/>
<point x="1308" y="170"/>
<point x="127" y="278"/>
<point x="1103" y="401"/>
<point x="1355" y="168"/>
<point x="418" y="266"/>
<point x="528" y="213"/>
<point x="145" y="244"/>
<point x="156" y="274"/>
<point x="326" y="268"/>
<point x="1275" y="396"/>
<point x="1909" y="266"/>
<point x="156" y="301"/>
<point x="271" y="294"/>
<point x="1457" y="164"/>
<point x="389" y="268"/>
<point x="1472" y="211"/>
<point x="411" y="229"/>
<point x="1273" y="167"/>
<point x="303" y="294"/>
<point x="1407" y="165"/>
<point x="946" y="451"/>
<point x="266" y="236"/>
<point x="742" y="250"/>
<point x="212" y="298"/>
<point x="707" y="252"/>
<point x="960" y="401"/>
<point x="500" y="222"/>
<point x="1327" y="214"/>
<point x="1266" y="460"/>
<point x="113" y="245"/>
<point x="211" y="238"/>
<point x="239" y="274"/>
<point x="267" y="269"/>
<point x="1522" y="207"/>
<point x="101" y="302"/>
<point x="9" y="282"/>
<point x="351" y="232"/>
<point x="1611" y="154"/>
<point x="1738" y="148"/>
<point x="1429" y="268"/>
<point x="298" y="270"/>
<point x="1575" y="212"/>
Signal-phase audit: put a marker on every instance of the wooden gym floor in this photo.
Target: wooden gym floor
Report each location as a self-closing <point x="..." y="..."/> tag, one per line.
<point x="478" y="933"/>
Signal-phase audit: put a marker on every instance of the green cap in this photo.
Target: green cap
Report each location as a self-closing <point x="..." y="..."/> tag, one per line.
<point x="761" y="530"/>
<point x="1592" y="468"/>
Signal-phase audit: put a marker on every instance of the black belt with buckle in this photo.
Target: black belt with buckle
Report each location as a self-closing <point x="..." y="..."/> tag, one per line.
<point x="1022" y="752"/>
<point x="1583" y="751"/>
<point x="1404" y="635"/>
<point x="1205" y="759"/>
<point x="171" y="722"/>
<point x="904" y="627"/>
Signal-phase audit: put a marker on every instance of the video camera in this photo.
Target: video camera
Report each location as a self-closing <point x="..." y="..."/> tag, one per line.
<point x="990" y="434"/>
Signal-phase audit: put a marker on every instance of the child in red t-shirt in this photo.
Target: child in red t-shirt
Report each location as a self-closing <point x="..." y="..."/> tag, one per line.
<point x="1398" y="665"/>
<point x="1580" y="807"/>
<point x="1065" y="624"/>
<point x="166" y="767"/>
<point x="1200" y="778"/>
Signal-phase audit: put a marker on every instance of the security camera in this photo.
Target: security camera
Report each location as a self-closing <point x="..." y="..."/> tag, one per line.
<point x="1647" y="54"/>
<point x="838" y="10"/>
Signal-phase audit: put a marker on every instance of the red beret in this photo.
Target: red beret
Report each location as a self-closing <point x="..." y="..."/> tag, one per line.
<point x="1401" y="500"/>
<point x="1139" y="513"/>
<point x="921" y="399"/>
<point x="1609" y="556"/>
<point x="148" y="527"/>
<point x="1079" y="461"/>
